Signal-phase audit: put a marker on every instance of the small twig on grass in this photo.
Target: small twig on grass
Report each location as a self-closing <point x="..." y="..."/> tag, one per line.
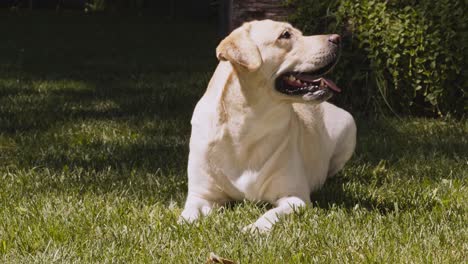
<point x="216" y="259"/>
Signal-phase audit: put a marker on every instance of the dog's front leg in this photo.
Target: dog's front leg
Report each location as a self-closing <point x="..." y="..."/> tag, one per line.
<point x="284" y="206"/>
<point x="195" y="206"/>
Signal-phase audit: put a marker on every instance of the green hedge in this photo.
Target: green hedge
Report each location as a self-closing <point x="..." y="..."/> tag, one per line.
<point x="407" y="56"/>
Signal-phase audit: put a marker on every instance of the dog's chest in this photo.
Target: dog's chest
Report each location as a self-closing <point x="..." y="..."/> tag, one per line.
<point x="245" y="171"/>
<point x="248" y="184"/>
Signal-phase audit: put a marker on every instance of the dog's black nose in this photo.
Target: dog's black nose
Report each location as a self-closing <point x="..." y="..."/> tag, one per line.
<point x="335" y="39"/>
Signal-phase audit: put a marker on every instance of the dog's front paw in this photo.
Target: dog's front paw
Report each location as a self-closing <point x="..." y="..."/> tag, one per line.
<point x="188" y="216"/>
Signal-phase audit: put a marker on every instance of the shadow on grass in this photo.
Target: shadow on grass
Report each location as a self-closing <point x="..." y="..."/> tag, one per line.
<point x="405" y="151"/>
<point x="394" y="139"/>
<point x="141" y="65"/>
<point x="107" y="95"/>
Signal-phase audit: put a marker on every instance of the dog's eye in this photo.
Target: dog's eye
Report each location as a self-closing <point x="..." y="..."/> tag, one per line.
<point x="285" y="35"/>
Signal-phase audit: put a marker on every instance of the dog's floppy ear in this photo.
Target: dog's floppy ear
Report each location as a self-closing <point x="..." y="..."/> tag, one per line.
<point x="238" y="48"/>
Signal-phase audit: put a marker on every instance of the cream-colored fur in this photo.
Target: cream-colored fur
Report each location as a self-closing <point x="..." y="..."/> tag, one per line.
<point x="251" y="142"/>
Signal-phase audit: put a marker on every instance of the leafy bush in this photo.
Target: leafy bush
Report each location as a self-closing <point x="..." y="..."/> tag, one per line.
<point x="406" y="54"/>
<point x="95" y="5"/>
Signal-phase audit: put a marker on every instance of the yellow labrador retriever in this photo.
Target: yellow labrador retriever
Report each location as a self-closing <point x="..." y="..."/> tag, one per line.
<point x="263" y="131"/>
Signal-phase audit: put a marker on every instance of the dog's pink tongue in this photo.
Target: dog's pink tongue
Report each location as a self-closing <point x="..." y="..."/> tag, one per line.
<point x="330" y="84"/>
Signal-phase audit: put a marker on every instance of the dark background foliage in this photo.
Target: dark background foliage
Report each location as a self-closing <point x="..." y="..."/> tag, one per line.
<point x="402" y="56"/>
<point x="173" y="9"/>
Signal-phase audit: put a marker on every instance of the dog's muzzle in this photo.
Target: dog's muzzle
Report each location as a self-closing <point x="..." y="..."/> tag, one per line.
<point x="311" y="85"/>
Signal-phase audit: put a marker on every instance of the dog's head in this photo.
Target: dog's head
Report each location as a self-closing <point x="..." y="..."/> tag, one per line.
<point x="290" y="65"/>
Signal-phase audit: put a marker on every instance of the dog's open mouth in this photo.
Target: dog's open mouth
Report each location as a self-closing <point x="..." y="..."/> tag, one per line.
<point x="311" y="85"/>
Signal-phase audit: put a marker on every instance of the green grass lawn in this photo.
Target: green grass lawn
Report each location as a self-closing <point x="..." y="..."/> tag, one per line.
<point x="94" y="131"/>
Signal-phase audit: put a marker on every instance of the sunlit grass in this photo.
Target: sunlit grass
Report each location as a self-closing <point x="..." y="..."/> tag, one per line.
<point x="93" y="155"/>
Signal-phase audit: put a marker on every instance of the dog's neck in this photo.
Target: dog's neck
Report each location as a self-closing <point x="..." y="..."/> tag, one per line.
<point x="245" y="105"/>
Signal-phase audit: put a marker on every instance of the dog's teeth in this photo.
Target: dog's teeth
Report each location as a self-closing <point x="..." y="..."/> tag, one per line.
<point x="292" y="78"/>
